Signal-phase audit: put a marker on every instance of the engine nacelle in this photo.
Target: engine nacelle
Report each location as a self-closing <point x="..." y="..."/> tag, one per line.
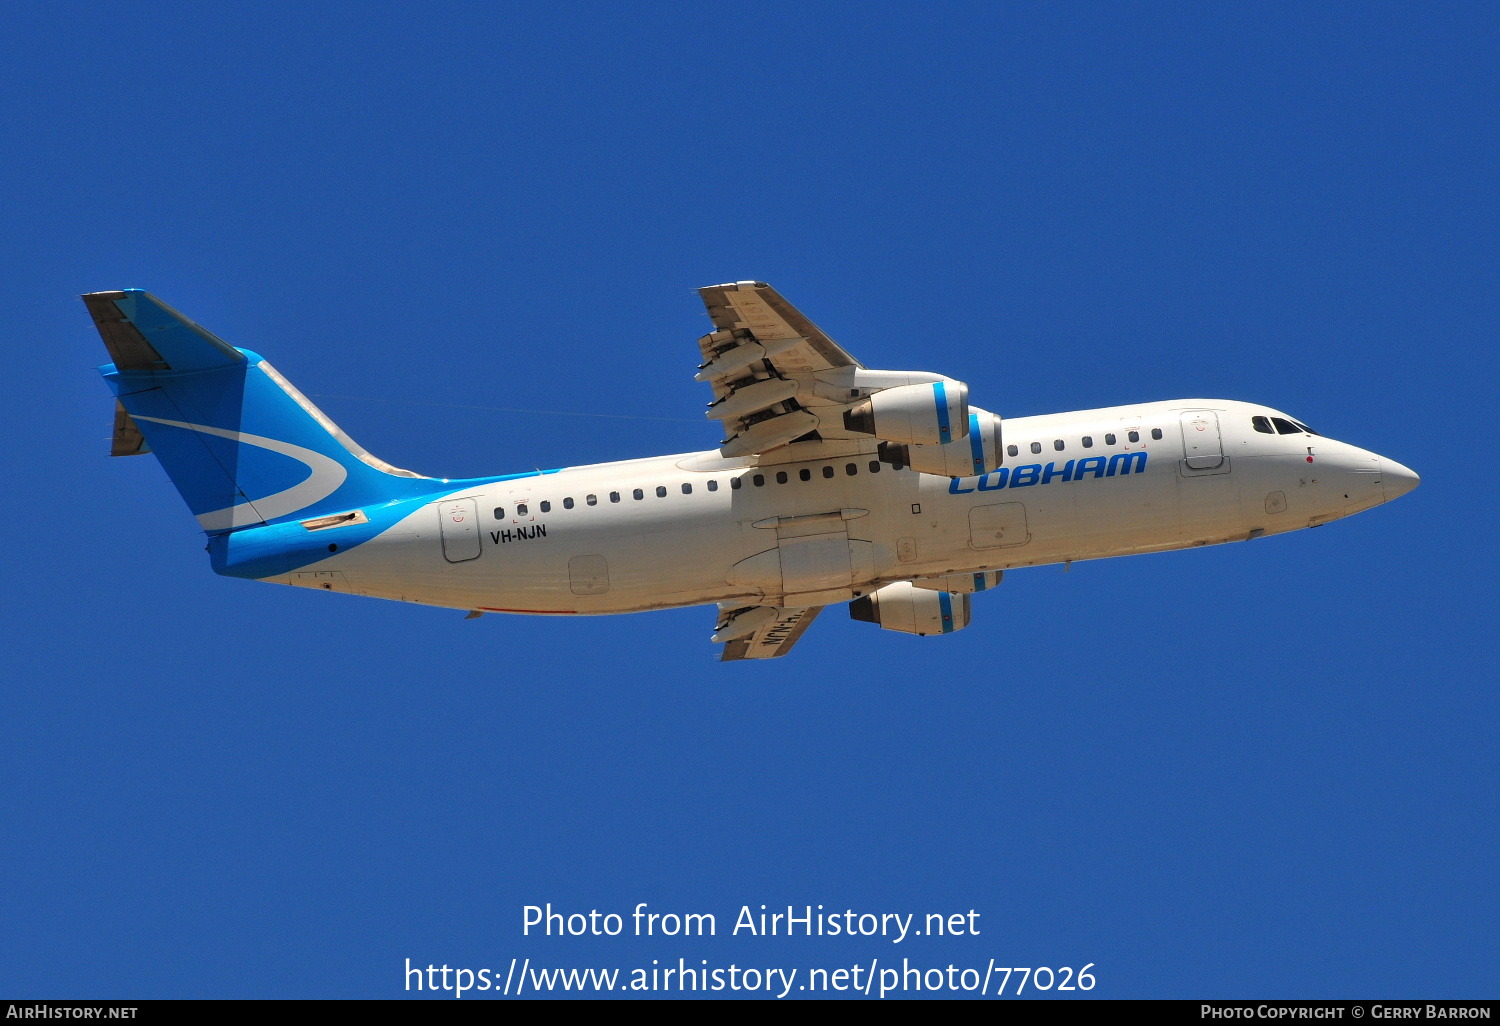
<point x="984" y="580"/>
<point x="901" y="607"/>
<point x="976" y="452"/>
<point x="927" y="414"/>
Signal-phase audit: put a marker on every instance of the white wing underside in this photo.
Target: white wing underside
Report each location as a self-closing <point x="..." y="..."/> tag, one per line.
<point x="774" y="638"/>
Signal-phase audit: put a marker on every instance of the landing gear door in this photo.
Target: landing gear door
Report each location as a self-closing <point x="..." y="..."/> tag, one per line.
<point x="1202" y="448"/>
<point x="460" y="526"/>
<point x="815" y="563"/>
<point x="993" y="527"/>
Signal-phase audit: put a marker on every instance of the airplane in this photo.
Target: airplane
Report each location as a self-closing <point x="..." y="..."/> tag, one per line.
<point x="834" y="483"/>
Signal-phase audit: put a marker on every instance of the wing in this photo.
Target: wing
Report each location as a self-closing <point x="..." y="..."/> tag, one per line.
<point x="786" y="392"/>
<point x="777" y="379"/>
<point x="761" y="632"/>
<point x="755" y="308"/>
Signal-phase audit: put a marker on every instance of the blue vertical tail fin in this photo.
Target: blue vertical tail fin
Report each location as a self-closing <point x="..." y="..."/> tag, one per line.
<point x="242" y="445"/>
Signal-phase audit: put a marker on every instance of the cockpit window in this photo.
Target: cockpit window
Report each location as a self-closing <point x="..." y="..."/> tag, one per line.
<point x="1263" y="425"/>
<point x="1285" y="427"/>
<point x="1304" y="427"/>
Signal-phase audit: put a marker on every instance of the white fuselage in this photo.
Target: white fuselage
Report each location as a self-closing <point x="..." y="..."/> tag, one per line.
<point x="697" y="528"/>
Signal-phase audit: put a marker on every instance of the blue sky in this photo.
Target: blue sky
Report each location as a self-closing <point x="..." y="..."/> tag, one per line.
<point x="1255" y="770"/>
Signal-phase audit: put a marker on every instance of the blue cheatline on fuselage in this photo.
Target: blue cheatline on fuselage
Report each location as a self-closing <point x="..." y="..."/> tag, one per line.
<point x="1120" y="463"/>
<point x="273" y="549"/>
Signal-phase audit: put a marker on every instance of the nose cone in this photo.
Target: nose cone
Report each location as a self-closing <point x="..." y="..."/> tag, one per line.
<point x="1396" y="479"/>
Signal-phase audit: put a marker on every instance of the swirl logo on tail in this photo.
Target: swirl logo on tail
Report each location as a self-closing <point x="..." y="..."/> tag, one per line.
<point x="324" y="478"/>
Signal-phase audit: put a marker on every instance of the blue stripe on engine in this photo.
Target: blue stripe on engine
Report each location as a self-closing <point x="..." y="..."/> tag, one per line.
<point x="976" y="444"/>
<point x="945" y="604"/>
<point x="945" y="430"/>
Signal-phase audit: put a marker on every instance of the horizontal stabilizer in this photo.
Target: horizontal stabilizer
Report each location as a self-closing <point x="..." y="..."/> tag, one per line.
<point x="144" y="334"/>
<point x="128" y="440"/>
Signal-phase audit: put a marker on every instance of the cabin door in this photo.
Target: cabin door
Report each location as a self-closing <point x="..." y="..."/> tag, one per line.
<point x="1202" y="448"/>
<point x="460" y="526"/>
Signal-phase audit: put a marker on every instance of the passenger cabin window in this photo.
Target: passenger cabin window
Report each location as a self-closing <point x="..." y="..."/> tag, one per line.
<point x="758" y="480"/>
<point x="736" y="482"/>
<point x="1156" y="433"/>
<point x="568" y="502"/>
<point x="805" y="474"/>
<point x="592" y="500"/>
<point x="1011" y="450"/>
<point x="713" y="484"/>
<point x="638" y="494"/>
<point x="1109" y="439"/>
<point x="827" y="471"/>
<point x="546" y="506"/>
<point x="687" y="488"/>
<point x="1135" y="436"/>
<point x="1285" y="427"/>
<point x="661" y="491"/>
<point x="781" y="477"/>
<point x="851" y="469"/>
<point x="614" y="496"/>
<point x="1088" y="441"/>
<point x="521" y="509"/>
<point x="1036" y="447"/>
<point x="1058" y="444"/>
<point x="874" y="466"/>
<point x="499" y="512"/>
